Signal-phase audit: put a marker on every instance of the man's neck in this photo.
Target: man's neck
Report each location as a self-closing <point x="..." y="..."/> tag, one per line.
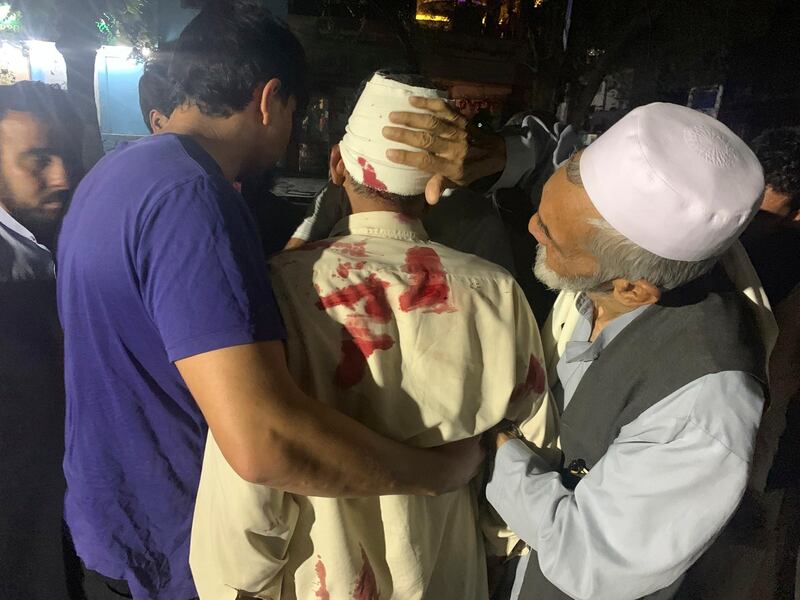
<point x="606" y="309"/>
<point x="224" y="138"/>
<point x="364" y="204"/>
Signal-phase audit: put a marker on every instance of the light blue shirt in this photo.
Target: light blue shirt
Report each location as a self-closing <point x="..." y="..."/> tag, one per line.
<point x="655" y="501"/>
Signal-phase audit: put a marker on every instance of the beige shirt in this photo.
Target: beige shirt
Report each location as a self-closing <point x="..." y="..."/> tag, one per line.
<point x="419" y="342"/>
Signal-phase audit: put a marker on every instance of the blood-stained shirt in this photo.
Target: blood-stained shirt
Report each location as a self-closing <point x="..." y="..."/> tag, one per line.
<point x="421" y="343"/>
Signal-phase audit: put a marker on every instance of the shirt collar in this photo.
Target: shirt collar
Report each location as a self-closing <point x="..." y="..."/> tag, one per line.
<point x="580" y="348"/>
<point x="11" y="223"/>
<point x="382" y="224"/>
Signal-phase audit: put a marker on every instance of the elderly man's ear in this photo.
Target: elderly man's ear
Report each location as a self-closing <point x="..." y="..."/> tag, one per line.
<point x="635" y="293"/>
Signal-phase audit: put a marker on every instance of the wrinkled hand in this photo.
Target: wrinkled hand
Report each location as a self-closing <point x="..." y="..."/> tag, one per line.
<point x="453" y="151"/>
<point x="462" y="462"/>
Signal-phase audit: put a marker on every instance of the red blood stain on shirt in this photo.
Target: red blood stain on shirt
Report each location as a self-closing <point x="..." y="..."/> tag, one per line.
<point x="343" y="268"/>
<point x="428" y="280"/>
<point x="352" y="249"/>
<point x="358" y="344"/>
<point x="366" y="585"/>
<point x="534" y="381"/>
<point x="372" y="290"/>
<point x="370" y="178"/>
<point x="322" y="575"/>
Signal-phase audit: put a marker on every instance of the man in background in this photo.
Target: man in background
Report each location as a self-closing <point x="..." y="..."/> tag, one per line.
<point x="40" y="164"/>
<point x="773" y="238"/>
<point x="773" y="242"/>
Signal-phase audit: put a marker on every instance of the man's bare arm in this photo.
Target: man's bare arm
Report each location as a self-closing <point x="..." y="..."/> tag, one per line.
<point x="271" y="433"/>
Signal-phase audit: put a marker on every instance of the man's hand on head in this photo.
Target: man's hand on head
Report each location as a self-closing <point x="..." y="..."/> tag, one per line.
<point x="453" y="151"/>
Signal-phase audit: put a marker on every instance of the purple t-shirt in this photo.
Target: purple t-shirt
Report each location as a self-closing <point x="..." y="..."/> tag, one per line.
<point x="158" y="260"/>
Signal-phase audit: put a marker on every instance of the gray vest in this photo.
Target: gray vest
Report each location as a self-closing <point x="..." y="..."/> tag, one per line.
<point x="703" y="328"/>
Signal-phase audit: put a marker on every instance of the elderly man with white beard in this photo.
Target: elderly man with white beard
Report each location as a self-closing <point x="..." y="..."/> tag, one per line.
<point x="657" y="350"/>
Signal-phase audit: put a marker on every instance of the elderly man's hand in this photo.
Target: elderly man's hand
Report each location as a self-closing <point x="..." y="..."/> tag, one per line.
<point x="453" y="151"/>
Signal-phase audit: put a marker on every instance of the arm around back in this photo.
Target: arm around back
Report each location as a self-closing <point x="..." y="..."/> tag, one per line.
<point x="271" y="433"/>
<point x="204" y="284"/>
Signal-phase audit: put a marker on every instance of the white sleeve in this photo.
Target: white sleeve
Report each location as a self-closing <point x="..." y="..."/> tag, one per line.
<point x="651" y="506"/>
<point x="528" y="147"/>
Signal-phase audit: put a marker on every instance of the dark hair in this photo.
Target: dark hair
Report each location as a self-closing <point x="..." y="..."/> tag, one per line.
<point x="156" y="90"/>
<point x="779" y="153"/>
<point x="51" y="105"/>
<point x="47" y="102"/>
<point x="407" y="77"/>
<point x="228" y="50"/>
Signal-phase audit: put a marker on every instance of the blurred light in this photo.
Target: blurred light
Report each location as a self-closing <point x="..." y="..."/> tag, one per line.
<point x="116" y="51"/>
<point x="14" y="65"/>
<point x="436" y="18"/>
<point x="146" y="52"/>
<point x="46" y="63"/>
<point x="537" y="3"/>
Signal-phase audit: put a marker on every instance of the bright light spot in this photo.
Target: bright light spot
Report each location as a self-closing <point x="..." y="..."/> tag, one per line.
<point x="146" y="52"/>
<point x="435" y="18"/>
<point x="4" y="10"/>
<point x="46" y="62"/>
<point x="116" y="51"/>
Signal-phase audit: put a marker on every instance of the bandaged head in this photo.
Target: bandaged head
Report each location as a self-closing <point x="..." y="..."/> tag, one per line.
<point x="364" y="148"/>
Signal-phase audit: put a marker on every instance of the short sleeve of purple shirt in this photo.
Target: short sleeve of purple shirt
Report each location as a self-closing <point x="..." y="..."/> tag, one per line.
<point x="199" y="282"/>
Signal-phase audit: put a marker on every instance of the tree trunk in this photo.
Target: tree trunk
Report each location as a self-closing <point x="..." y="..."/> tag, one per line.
<point x="80" y="60"/>
<point x="545" y="89"/>
<point x="546" y="53"/>
<point x="580" y="100"/>
<point x="585" y="84"/>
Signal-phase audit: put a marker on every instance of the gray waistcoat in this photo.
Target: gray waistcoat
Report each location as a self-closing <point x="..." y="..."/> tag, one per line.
<point x="701" y="329"/>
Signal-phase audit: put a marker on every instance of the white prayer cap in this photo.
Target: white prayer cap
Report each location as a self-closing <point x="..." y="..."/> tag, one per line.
<point x="364" y="147"/>
<point x="674" y="181"/>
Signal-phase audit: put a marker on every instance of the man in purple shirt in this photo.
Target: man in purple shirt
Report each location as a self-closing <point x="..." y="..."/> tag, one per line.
<point x="171" y="326"/>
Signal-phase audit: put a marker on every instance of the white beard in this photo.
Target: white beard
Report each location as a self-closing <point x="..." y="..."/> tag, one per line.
<point x="554" y="281"/>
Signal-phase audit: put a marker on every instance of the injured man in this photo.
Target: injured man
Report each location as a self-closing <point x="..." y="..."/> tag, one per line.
<point x="419" y="342"/>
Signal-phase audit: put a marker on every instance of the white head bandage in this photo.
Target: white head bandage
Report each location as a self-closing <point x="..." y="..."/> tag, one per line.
<point x="675" y="181"/>
<point x="364" y="148"/>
